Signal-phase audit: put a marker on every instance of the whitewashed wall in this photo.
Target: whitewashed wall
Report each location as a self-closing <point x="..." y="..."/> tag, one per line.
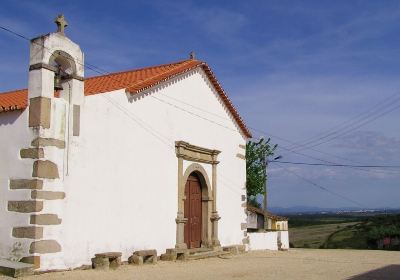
<point x="121" y="187"/>
<point x="251" y="220"/>
<point x="14" y="135"/>
<point x="268" y="240"/>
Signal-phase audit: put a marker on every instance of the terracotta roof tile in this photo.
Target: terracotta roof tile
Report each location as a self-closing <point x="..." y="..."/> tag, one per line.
<point x="14" y="100"/>
<point x="267" y="213"/>
<point x="133" y="81"/>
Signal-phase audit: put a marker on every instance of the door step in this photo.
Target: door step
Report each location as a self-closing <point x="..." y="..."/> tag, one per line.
<point x="206" y="254"/>
<point x="199" y="250"/>
<point x="15" y="269"/>
<point x="192" y="254"/>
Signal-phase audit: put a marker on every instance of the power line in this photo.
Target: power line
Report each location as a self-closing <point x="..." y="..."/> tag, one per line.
<point x="278" y="137"/>
<point x="336" y="165"/>
<point x="336" y="134"/>
<point x="354" y="121"/>
<point x="304" y="179"/>
<point x="282" y="147"/>
<point x="90" y="66"/>
<point x="160" y="137"/>
<point x="101" y="71"/>
<point x="128" y="113"/>
<point x="14" y="33"/>
<point x="140" y="122"/>
<point x="354" y="128"/>
<point x="329" y="154"/>
<point x="194" y="114"/>
<point x="323" y="188"/>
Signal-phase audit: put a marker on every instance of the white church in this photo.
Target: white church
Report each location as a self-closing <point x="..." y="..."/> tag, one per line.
<point x="151" y="158"/>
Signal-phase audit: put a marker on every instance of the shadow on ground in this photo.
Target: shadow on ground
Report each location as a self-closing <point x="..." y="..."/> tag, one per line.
<point x="390" y="272"/>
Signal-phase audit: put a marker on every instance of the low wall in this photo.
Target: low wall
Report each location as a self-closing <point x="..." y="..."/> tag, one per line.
<point x="268" y="240"/>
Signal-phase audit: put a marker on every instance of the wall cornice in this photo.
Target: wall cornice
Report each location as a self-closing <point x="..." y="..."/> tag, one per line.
<point x="196" y="153"/>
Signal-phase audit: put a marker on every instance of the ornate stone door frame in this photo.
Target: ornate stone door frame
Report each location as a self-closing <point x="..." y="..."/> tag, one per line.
<point x="210" y="217"/>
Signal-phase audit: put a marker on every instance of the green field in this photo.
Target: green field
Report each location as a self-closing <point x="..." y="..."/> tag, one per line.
<point x="314" y="236"/>
<point x="342" y="231"/>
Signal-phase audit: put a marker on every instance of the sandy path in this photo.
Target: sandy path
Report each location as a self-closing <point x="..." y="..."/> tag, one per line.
<point x="295" y="264"/>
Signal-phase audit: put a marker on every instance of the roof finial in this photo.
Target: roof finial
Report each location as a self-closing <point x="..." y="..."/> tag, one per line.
<point x="192" y="55"/>
<point x="61" y="24"/>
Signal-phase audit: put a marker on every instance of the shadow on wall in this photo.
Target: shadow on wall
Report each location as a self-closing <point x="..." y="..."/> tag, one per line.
<point x="390" y="272"/>
<point x="7" y="118"/>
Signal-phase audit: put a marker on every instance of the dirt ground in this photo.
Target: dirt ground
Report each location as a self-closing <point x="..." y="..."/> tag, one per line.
<point x="294" y="264"/>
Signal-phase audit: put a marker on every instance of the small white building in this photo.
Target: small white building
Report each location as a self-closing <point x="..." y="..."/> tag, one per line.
<point x="150" y="158"/>
<point x="266" y="230"/>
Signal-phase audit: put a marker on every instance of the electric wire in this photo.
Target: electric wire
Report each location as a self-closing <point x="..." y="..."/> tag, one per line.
<point x="322" y="187"/>
<point x="278" y="137"/>
<point x="354" y="128"/>
<point x="289" y="149"/>
<point x="116" y="104"/>
<point x="304" y="179"/>
<point x="166" y="143"/>
<point x="102" y="72"/>
<point x="334" y="165"/>
<point x="354" y="119"/>
<point x="158" y="135"/>
<point x="282" y="147"/>
<point x="354" y="124"/>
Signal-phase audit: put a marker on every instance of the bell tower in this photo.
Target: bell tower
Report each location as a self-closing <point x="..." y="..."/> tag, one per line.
<point x="55" y="70"/>
<point x="55" y="96"/>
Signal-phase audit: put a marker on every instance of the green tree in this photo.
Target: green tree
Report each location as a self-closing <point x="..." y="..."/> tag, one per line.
<point x="257" y="154"/>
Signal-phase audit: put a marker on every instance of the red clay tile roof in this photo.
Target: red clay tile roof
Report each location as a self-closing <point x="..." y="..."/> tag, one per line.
<point x="267" y="213"/>
<point x="13" y="100"/>
<point x="133" y="81"/>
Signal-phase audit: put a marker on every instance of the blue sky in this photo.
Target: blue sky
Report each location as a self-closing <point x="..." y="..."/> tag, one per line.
<point x="294" y="69"/>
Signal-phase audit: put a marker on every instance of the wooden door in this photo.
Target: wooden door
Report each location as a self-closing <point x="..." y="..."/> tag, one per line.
<point x="193" y="212"/>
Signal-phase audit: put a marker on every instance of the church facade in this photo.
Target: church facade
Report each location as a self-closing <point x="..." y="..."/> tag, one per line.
<point x="151" y="158"/>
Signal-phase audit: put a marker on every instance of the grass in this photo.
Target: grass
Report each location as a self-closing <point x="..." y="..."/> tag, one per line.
<point x="314" y="236"/>
<point x="347" y="238"/>
<point x="334" y="232"/>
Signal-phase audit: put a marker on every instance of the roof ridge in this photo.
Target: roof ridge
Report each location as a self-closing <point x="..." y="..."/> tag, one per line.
<point x="163" y="73"/>
<point x="140" y="79"/>
<point x="138" y="69"/>
<point x="113" y="73"/>
<point x="13" y="91"/>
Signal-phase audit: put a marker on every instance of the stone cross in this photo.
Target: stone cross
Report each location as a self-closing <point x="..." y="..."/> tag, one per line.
<point x="61" y="24"/>
<point x="192" y="55"/>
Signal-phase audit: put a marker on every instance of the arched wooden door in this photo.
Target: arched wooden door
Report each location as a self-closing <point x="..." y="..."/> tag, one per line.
<point x="193" y="212"/>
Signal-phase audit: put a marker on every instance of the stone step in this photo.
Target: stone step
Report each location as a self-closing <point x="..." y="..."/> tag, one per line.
<point x="199" y="250"/>
<point x="15" y="269"/>
<point x="235" y="249"/>
<point x="208" y="254"/>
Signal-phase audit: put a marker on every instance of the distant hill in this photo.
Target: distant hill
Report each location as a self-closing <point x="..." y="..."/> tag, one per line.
<point x="319" y="210"/>
<point x="308" y="209"/>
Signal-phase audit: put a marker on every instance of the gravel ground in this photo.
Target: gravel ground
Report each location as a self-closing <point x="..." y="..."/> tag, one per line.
<point x="294" y="264"/>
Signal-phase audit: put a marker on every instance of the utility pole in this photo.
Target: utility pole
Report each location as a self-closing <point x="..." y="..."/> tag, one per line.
<point x="265" y="164"/>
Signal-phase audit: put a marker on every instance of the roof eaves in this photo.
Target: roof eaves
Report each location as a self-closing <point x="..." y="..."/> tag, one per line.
<point x="228" y="102"/>
<point x="176" y="69"/>
<point x="10" y="108"/>
<point x="266" y="213"/>
<point x="134" y="89"/>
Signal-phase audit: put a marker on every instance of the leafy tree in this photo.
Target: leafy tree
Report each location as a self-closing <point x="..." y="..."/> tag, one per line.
<point x="383" y="231"/>
<point x="257" y="154"/>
